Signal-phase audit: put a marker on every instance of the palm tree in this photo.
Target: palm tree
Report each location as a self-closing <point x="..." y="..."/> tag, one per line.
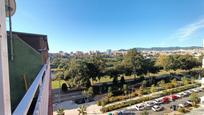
<point x="82" y="110"/>
<point x="194" y="98"/>
<point x="60" y="111"/>
<point x="125" y="89"/>
<point x="153" y="89"/>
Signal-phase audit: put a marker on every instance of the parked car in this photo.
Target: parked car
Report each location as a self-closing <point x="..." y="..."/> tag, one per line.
<point x="173" y="97"/>
<point x="140" y="107"/>
<point x="185" y="104"/>
<point x="183" y="94"/>
<point x="165" y="100"/>
<point x="178" y="95"/>
<point x="195" y="90"/>
<point x="189" y="91"/>
<point x="149" y="103"/>
<point x="157" y="108"/>
<point x="158" y="101"/>
<point x="189" y="102"/>
<point x="199" y="89"/>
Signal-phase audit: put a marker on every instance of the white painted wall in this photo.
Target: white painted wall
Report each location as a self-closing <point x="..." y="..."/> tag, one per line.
<point x="5" y="108"/>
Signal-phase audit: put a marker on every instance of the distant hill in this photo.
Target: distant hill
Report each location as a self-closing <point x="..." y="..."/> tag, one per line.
<point x="168" y="48"/>
<point x="165" y="48"/>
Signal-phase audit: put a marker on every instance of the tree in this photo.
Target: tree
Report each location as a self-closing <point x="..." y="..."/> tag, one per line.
<point x="140" y="91"/>
<point x="60" y="111"/>
<point x="88" y="93"/>
<point x="177" y="62"/>
<point x="192" y="80"/>
<point x="99" y="65"/>
<point x="82" y="110"/>
<point x="153" y="89"/>
<point x="144" y="83"/>
<point x="134" y="61"/>
<point x="162" y="84"/>
<point x="110" y="92"/>
<point x="115" y="81"/>
<point x="113" y="73"/>
<point x="162" y="61"/>
<point x="149" y="66"/>
<point x="174" y="82"/>
<point x="64" y="87"/>
<point x="125" y="89"/>
<point x="122" y="80"/>
<point x="79" y="73"/>
<point x="194" y="98"/>
<point x="184" y="81"/>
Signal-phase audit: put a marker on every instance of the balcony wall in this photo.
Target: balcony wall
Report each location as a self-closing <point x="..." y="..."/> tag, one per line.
<point x="23" y="69"/>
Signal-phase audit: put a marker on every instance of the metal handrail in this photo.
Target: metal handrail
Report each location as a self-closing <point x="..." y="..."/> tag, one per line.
<point x="41" y="107"/>
<point x="25" y="103"/>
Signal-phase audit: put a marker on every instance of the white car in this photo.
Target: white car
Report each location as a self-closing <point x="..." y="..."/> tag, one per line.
<point x="178" y="95"/>
<point x="199" y="89"/>
<point x="140" y="107"/>
<point x="183" y="94"/>
<point x="149" y="103"/>
<point x="189" y="91"/>
<point x="189" y="102"/>
<point x="185" y="104"/>
<point x="158" y="101"/>
<point x="157" y="108"/>
<point x="195" y="90"/>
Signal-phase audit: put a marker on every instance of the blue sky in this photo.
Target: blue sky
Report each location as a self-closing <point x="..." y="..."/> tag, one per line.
<point x="83" y="25"/>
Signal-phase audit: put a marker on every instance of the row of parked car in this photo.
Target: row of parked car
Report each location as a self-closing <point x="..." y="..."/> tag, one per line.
<point x="156" y="105"/>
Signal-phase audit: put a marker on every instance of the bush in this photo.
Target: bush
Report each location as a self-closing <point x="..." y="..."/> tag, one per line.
<point x="103" y="103"/>
<point x="64" y="87"/>
<point x="60" y="111"/>
<point x="98" y="103"/>
<point x="182" y="110"/>
<point x="147" y="91"/>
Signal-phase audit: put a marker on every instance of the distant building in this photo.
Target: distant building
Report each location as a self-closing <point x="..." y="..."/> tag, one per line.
<point x="109" y="52"/>
<point x="203" y="57"/>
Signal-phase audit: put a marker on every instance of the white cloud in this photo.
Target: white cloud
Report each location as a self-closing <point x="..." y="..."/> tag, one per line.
<point x="186" y="31"/>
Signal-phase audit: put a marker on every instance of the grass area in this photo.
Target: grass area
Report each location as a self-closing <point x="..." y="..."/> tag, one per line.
<point x="57" y="84"/>
<point x="162" y="72"/>
<point x="57" y="69"/>
<point x="104" y="79"/>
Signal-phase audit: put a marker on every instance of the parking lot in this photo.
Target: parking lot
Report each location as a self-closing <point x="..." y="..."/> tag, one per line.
<point x="166" y="107"/>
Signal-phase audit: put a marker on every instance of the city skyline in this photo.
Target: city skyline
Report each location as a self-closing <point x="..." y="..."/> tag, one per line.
<point x="90" y="25"/>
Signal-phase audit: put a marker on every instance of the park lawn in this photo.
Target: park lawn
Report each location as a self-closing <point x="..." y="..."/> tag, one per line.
<point x="109" y="79"/>
<point x="104" y="79"/>
<point x="55" y="84"/>
<point x="162" y="72"/>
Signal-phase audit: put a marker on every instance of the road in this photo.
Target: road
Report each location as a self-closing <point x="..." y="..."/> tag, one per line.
<point x="166" y="106"/>
<point x="66" y="96"/>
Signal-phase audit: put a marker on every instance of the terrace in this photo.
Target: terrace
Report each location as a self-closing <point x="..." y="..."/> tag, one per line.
<point x="24" y="69"/>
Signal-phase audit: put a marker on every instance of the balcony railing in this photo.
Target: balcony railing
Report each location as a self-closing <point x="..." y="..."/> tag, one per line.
<point x="41" y="82"/>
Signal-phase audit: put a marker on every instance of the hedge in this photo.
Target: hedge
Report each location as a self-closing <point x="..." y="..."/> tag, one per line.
<point x="106" y="101"/>
<point x="146" y="98"/>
